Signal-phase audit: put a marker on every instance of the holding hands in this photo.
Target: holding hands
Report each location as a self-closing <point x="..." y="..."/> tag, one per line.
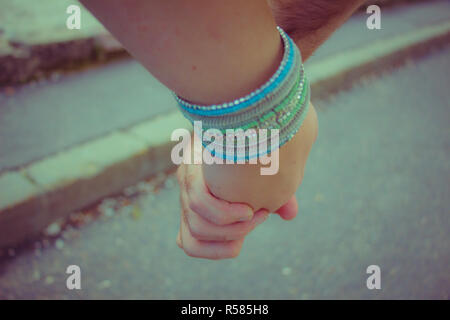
<point x="212" y="228"/>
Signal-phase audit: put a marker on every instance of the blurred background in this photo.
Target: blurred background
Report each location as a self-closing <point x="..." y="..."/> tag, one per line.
<point x="86" y="177"/>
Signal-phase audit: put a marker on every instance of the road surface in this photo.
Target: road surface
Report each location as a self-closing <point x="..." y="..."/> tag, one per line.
<point x="376" y="192"/>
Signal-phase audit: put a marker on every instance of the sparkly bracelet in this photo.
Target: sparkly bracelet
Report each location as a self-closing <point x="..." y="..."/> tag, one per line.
<point x="253" y="97"/>
<point x="281" y="103"/>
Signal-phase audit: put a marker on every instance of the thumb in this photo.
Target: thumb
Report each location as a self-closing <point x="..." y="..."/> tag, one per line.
<point x="289" y="210"/>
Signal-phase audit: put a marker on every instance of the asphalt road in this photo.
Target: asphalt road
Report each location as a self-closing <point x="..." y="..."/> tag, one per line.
<point x="42" y="118"/>
<point x="376" y="191"/>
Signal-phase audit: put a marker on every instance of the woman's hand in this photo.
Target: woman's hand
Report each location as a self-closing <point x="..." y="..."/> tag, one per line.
<point x="244" y="182"/>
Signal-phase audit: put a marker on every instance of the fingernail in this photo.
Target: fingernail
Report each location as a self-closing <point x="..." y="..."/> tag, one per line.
<point x="247" y="218"/>
<point x="261" y="219"/>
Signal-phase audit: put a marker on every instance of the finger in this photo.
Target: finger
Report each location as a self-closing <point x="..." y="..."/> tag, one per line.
<point x="208" y="249"/>
<point x="263" y="213"/>
<point x="204" y="203"/>
<point x="289" y="210"/>
<point x="180" y="173"/>
<point x="202" y="229"/>
<point x="179" y="244"/>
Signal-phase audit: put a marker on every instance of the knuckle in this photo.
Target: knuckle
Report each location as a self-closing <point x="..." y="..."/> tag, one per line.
<point x="194" y="203"/>
<point x="189" y="252"/>
<point x="196" y="232"/>
<point x="194" y="229"/>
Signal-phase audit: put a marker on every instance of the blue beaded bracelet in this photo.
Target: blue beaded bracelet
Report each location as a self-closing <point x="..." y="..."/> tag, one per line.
<point x="253" y="97"/>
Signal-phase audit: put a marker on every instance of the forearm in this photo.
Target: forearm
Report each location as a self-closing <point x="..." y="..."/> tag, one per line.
<point x="205" y="51"/>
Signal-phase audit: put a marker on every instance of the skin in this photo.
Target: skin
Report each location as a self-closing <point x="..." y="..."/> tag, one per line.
<point x="311" y="22"/>
<point x="252" y="186"/>
<point x="213" y="228"/>
<point x="268" y="192"/>
<point x="180" y="43"/>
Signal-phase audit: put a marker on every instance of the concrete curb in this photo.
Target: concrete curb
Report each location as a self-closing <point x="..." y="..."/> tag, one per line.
<point x="47" y="190"/>
<point x="330" y="75"/>
<point x="34" y="61"/>
<point x="44" y="45"/>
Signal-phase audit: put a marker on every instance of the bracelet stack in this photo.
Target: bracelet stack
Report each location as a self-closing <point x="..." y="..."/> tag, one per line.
<point x="279" y="105"/>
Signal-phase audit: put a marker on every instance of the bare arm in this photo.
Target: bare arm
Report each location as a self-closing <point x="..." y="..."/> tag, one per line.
<point x="206" y="51"/>
<point x="214" y="51"/>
